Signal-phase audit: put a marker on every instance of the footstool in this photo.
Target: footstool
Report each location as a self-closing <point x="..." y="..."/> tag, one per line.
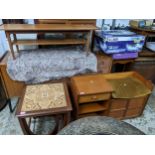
<point x="99" y="125"/>
<point x="40" y="100"/>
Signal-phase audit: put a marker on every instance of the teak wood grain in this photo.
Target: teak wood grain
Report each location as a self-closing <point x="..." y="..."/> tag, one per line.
<point x="46" y="27"/>
<point x="12" y="88"/>
<point x="91" y="84"/>
<point x="66" y="21"/>
<point x="50" y="42"/>
<point x="91" y="107"/>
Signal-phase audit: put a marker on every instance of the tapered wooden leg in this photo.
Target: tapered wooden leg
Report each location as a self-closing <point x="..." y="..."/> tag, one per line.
<point x="15" y="39"/>
<point x="67" y="118"/>
<point x="10" y="44"/>
<point x="89" y="41"/>
<point x="25" y="128"/>
<point x="56" y="128"/>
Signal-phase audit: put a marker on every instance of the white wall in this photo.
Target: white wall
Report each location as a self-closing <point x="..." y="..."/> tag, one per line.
<point x="4" y="43"/>
<point x="120" y="22"/>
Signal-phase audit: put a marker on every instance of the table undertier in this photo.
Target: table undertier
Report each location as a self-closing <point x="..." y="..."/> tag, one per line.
<point x="50" y="42"/>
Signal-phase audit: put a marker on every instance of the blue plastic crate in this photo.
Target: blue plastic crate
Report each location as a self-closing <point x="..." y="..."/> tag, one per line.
<point x="119" y="41"/>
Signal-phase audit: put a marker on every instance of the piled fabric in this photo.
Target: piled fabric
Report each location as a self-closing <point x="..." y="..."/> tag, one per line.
<point x="49" y="64"/>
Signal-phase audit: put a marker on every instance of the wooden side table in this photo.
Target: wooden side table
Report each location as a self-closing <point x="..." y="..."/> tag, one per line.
<point x="91" y="93"/>
<point x="44" y="100"/>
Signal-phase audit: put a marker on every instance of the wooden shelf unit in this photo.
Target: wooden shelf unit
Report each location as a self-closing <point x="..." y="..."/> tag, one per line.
<point x="48" y="28"/>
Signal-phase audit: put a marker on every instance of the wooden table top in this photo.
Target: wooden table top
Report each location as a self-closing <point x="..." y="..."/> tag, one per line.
<point x="91" y="84"/>
<point x="143" y="29"/>
<point x="43" y="99"/>
<point x="47" y="27"/>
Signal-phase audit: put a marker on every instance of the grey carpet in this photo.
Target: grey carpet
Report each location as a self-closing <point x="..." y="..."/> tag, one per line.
<point x="9" y="124"/>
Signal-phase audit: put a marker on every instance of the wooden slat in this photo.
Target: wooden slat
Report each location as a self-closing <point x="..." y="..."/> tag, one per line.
<point x="91" y="107"/>
<point x="47" y="27"/>
<point x="146" y="53"/>
<point x="66" y="21"/>
<point x="51" y="21"/>
<point x="50" y="42"/>
<point x="142" y="29"/>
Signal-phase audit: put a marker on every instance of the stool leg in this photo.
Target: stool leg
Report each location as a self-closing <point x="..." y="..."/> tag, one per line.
<point x="10" y="106"/>
<point x="56" y="128"/>
<point x="25" y="128"/>
<point x="66" y="118"/>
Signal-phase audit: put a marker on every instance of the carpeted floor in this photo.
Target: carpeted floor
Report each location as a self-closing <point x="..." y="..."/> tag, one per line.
<point x="9" y="124"/>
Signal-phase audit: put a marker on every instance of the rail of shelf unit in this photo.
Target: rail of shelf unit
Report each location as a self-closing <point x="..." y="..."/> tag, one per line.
<point x="50" y="42"/>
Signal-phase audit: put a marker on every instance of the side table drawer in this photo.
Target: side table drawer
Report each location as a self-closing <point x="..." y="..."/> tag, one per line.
<point x="91" y="98"/>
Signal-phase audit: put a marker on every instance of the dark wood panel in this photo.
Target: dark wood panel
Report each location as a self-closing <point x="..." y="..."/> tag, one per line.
<point x="12" y="88"/>
<point x="133" y="112"/>
<point x="136" y="103"/>
<point x="145" y="67"/>
<point x="118" y="104"/>
<point x="117" y="114"/>
<point x="104" y="63"/>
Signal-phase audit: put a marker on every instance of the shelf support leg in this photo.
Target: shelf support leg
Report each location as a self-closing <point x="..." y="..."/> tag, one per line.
<point x="89" y="41"/>
<point x="10" y="44"/>
<point x="15" y="38"/>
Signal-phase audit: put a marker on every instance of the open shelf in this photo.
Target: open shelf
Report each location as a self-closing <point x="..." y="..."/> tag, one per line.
<point x="50" y="42"/>
<point x="91" y="108"/>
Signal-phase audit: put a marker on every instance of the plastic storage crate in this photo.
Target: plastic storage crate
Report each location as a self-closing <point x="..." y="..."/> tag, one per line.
<point x="119" y="41"/>
<point x="120" y="56"/>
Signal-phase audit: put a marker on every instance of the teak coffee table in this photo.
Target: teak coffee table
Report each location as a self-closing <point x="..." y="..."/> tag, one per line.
<point x="40" y="100"/>
<point x="47" y="28"/>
